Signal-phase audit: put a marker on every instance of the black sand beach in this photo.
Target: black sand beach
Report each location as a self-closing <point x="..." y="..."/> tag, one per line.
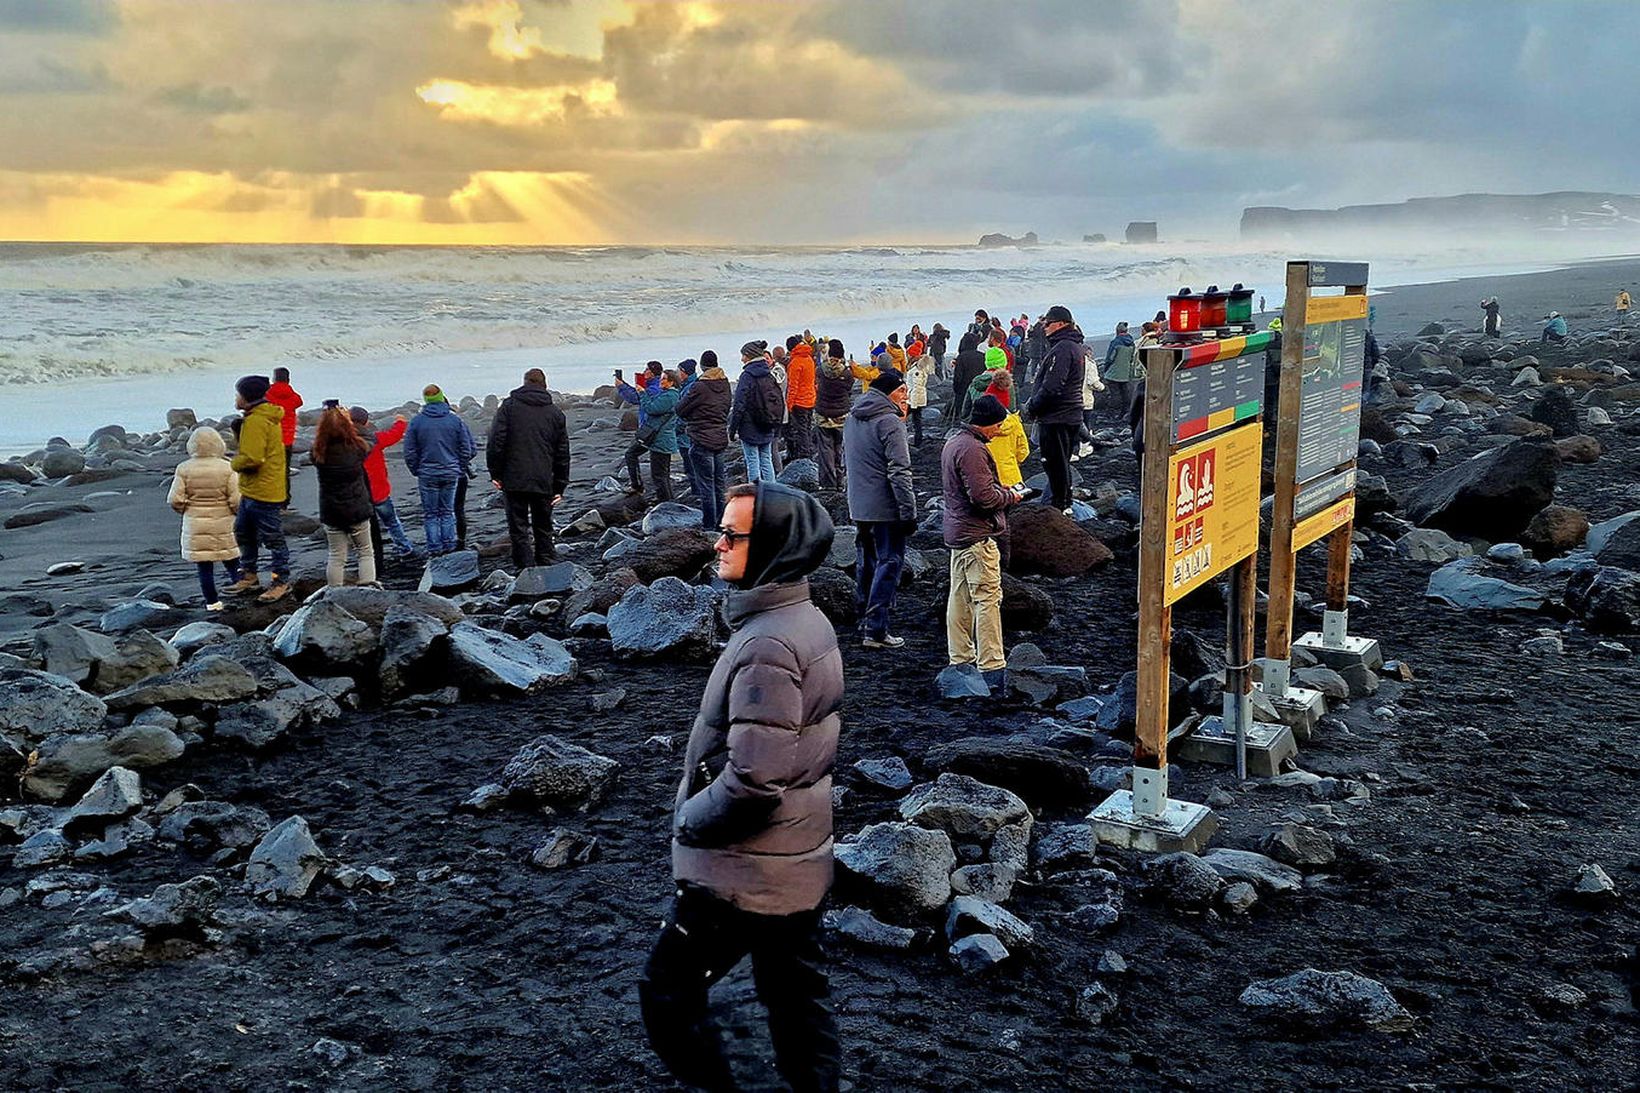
<point x="1462" y="801"/>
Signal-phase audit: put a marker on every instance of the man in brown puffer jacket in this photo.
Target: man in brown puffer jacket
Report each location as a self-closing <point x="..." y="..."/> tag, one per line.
<point x="752" y="839"/>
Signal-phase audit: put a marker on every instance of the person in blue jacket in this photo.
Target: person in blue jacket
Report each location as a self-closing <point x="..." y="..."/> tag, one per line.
<point x="438" y="448"/>
<point x="1554" y="330"/>
<point x="686" y="372"/>
<point x="753" y="419"/>
<point x="648" y="381"/>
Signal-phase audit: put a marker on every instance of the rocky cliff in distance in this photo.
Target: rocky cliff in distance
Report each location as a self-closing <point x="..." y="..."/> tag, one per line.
<point x="1569" y="212"/>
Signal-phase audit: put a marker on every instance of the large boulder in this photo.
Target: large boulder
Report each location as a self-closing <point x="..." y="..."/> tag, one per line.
<point x="963" y="807"/>
<point x="537" y="582"/>
<point x="1555" y="530"/>
<point x="494" y="663"/>
<point x="114" y="796"/>
<point x="70" y="651"/>
<point x="670" y="514"/>
<point x="370" y="605"/>
<point x="665" y="617"/>
<point x="36" y="705"/>
<point x="1620" y="547"/>
<point x="324" y="634"/>
<point x="1492" y="496"/>
<point x="904" y="870"/>
<point x="1043" y="540"/>
<point x="69" y="760"/>
<point x="1556" y="409"/>
<point x="62" y="462"/>
<point x="447" y="574"/>
<point x="410" y="643"/>
<point x="802" y="474"/>
<point x="1024" y="605"/>
<point x="832" y="591"/>
<point x="554" y="772"/>
<point x="139" y="656"/>
<point x="1327" y="1001"/>
<point x="1461" y="584"/>
<point x="203" y="680"/>
<point x="1607" y="598"/>
<point x="1600" y="534"/>
<point x="286" y="862"/>
<point x="196" y="635"/>
<point x="146" y="614"/>
<point x="670" y="552"/>
<point x="1045" y="777"/>
<point x="282" y="702"/>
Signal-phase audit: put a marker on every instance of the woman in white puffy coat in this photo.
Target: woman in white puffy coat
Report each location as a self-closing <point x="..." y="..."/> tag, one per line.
<point x="916" y="385"/>
<point x="206" y="492"/>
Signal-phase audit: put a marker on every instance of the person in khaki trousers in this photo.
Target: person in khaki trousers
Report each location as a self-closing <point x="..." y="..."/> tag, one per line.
<point x="975" y="515"/>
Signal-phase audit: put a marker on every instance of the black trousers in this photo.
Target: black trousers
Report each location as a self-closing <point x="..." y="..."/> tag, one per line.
<point x="461" y="512"/>
<point x="527" y="511"/>
<point x="1058" y="442"/>
<point x="831" y="458"/>
<point x="702" y="940"/>
<point x="660" y="469"/>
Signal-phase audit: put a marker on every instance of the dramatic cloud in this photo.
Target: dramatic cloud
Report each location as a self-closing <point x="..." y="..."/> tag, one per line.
<point x="820" y="121"/>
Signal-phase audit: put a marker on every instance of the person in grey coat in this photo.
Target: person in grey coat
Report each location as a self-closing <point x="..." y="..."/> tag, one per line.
<point x="752" y="828"/>
<point x="881" y="501"/>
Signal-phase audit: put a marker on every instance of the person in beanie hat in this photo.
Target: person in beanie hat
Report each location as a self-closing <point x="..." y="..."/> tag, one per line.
<point x="974" y="517"/>
<point x="438" y="447"/>
<point x="834" y="392"/>
<point x="995" y="361"/>
<point x="284" y="396"/>
<point x="703" y="408"/>
<point x="1056" y="404"/>
<point x="881" y="502"/>
<point x="264" y="490"/>
<point x="752" y="825"/>
<point x="800" y="400"/>
<point x="757" y="412"/>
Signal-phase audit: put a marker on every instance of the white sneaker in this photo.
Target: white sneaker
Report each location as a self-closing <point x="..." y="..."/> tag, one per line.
<point x="1085" y="449"/>
<point x="217" y="605"/>
<point x="887" y="641"/>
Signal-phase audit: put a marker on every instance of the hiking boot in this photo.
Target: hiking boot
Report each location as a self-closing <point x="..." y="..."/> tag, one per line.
<point x="277" y="591"/>
<point x="247" y="582"/>
<point x="887" y="641"/>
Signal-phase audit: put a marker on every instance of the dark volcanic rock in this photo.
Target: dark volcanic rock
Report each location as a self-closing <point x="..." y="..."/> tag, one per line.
<point x="35" y="705"/>
<point x="601" y="595"/>
<point x="1621" y="547"/>
<point x="1555" y="530"/>
<point x="44" y="512"/>
<point x="1045" y="777"/>
<point x="902" y="869"/>
<point x="557" y="773"/>
<point x="205" y="679"/>
<point x="174" y="910"/>
<point x="1556" y="409"/>
<point x="1608" y="599"/>
<point x="324" y="634"/>
<point x="450" y="573"/>
<point x="285" y="862"/>
<point x="670" y="552"/>
<point x="148" y="614"/>
<point x="410" y="646"/>
<point x="540" y="581"/>
<point x="70" y="651"/>
<point x="1327" y="1001"/>
<point x="832" y="591"/>
<point x="68" y="760"/>
<point x="499" y="664"/>
<point x="1043" y="540"/>
<point x="665" y="617"/>
<point x="1024" y="605"/>
<point x="1492" y="496"/>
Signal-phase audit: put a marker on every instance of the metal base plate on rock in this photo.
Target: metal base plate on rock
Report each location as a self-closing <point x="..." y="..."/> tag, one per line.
<point x="1268" y="746"/>
<point x="1353" y="651"/>
<point x="1182" y="825"/>
<point x="1300" y="709"/>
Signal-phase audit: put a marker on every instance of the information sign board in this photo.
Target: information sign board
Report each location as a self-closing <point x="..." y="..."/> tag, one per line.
<point x="1218" y="383"/>
<point x="1335" y="339"/>
<point x="1212" y="508"/>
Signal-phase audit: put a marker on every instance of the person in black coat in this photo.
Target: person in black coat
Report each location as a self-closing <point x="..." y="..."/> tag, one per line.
<point x="344" y="494"/>
<point x="969" y="363"/>
<point x="704" y="411"/>
<point x="1056" y="405"/>
<point x="528" y="457"/>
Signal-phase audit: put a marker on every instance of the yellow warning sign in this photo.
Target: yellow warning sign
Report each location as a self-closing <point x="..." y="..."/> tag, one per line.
<point x="1323" y="523"/>
<point x="1212" y="505"/>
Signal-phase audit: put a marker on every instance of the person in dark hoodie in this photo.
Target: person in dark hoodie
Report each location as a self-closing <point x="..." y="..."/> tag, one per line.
<point x="752" y="828"/>
<point x="967" y="366"/>
<point x="757" y="413"/>
<point x="528" y="456"/>
<point x="704" y="411"/>
<point x="344" y="494"/>
<point x="881" y="502"/>
<point x="938" y="340"/>
<point x="833" y="393"/>
<point x="1056" y="405"/>
<point x="438" y="447"/>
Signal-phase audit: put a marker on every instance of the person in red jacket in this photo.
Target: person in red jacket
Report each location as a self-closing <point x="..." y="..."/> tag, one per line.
<point x="284" y="395"/>
<point x="381" y="487"/>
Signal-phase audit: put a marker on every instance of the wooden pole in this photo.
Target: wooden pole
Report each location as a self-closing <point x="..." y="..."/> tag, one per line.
<point x="1278" y="627"/>
<point x="1155" y="615"/>
<point x="1238" y="676"/>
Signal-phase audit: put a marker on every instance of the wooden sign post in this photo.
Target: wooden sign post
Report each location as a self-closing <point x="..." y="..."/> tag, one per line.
<point x="1318" y="428"/>
<point x="1199" y="502"/>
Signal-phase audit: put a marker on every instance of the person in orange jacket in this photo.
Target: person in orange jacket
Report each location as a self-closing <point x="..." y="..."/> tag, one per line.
<point x="800" y="398"/>
<point x="283" y="395"/>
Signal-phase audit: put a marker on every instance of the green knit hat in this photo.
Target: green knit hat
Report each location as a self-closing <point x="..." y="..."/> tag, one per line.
<point x="995" y="358"/>
<point x="432" y="393"/>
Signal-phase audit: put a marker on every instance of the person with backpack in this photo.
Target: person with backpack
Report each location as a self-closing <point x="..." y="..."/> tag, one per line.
<point x="1056" y="404"/>
<point x="756" y="413"/>
<point x="968" y="365"/>
<point x="438" y="447"/>
<point x="648" y="380"/>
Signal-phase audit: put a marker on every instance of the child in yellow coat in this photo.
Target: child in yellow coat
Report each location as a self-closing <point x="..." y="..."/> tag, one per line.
<point x="1009" y="447"/>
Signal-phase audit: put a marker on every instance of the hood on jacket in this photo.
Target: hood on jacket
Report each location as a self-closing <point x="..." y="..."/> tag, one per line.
<point x="835" y="367"/>
<point x="267" y="410"/>
<point x="802" y="349"/>
<point x="1069" y="332"/>
<point x="873" y="404"/>
<point x="713" y="373"/>
<point x="434" y="409"/>
<point x="1122" y="339"/>
<point x="206" y="443"/>
<point x="757" y="366"/>
<point x="531" y="395"/>
<point x="791" y="535"/>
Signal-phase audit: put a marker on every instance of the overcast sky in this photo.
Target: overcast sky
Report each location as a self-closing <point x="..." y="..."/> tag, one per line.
<point x="836" y="121"/>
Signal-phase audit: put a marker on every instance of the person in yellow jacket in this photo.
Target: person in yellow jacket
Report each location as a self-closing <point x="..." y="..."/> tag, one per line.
<point x="1009" y="448"/>
<point x="865" y="373"/>
<point x="263" y="490"/>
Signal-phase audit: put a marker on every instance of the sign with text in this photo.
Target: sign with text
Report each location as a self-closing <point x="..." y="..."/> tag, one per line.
<point x="1218" y="384"/>
<point x="1329" y="423"/>
<point x="1212" y="508"/>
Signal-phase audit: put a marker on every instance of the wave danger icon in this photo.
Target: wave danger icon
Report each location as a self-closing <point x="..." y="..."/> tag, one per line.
<point x="1196" y="485"/>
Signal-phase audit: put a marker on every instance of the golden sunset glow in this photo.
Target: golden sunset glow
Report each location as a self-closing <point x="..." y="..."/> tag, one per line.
<point x="458" y="101"/>
<point x="509" y="38"/>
